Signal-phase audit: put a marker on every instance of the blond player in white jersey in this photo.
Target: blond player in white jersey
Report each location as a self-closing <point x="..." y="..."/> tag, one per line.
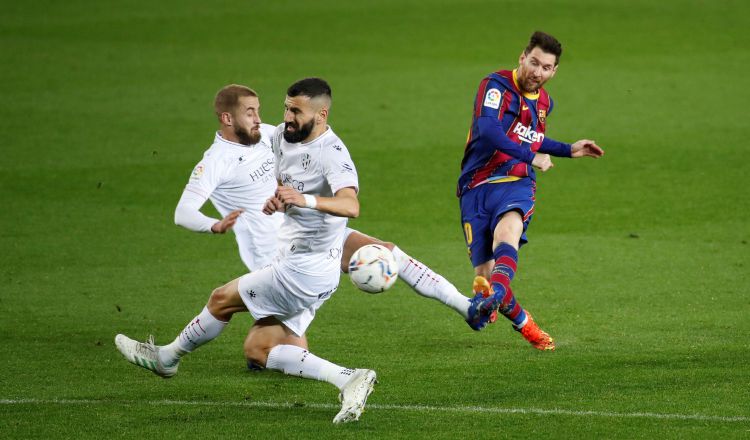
<point x="237" y="177"/>
<point x="319" y="194"/>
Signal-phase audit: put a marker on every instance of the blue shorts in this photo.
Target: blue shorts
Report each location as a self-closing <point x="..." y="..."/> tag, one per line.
<point x="482" y="207"/>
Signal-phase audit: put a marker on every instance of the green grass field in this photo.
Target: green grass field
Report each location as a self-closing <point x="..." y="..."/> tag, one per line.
<point x="638" y="263"/>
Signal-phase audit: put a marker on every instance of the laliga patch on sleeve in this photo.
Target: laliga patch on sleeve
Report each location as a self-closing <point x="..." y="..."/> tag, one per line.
<point x="492" y="98"/>
<point x="197" y="173"/>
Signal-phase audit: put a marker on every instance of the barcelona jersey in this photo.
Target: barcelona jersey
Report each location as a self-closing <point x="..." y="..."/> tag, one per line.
<point x="507" y="130"/>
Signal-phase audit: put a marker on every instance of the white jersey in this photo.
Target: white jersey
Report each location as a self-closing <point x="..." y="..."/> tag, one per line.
<point x="235" y="176"/>
<point x="311" y="241"/>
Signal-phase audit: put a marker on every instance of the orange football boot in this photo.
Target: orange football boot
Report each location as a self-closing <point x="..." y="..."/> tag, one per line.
<point x="537" y="337"/>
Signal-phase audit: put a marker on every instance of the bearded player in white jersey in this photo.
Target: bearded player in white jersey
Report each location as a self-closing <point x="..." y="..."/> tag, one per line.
<point x="318" y="195"/>
<point x="235" y="174"/>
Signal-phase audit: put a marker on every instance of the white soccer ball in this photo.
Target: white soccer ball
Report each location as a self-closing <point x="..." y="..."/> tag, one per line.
<point x="373" y="268"/>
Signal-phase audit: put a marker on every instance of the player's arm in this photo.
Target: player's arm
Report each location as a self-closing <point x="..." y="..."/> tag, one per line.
<point x="188" y="215"/>
<point x="555" y="148"/>
<point x="492" y="135"/>
<point x="206" y="177"/>
<point x="343" y="204"/>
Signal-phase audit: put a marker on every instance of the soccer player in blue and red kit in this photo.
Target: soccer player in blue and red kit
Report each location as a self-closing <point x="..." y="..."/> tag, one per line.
<point x="498" y="182"/>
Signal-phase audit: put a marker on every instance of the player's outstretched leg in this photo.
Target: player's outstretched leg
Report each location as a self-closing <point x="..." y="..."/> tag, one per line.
<point x="354" y="395"/>
<point x="430" y="284"/>
<point x="506" y="262"/>
<point x="146" y="355"/>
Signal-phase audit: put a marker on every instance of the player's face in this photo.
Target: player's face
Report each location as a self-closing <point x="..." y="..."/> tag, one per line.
<point x="246" y="120"/>
<point x="299" y="118"/>
<point x="535" y="69"/>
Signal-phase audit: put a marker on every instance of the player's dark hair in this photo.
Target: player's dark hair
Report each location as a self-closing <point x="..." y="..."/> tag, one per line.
<point x="229" y="96"/>
<point x="310" y="87"/>
<point x="546" y="42"/>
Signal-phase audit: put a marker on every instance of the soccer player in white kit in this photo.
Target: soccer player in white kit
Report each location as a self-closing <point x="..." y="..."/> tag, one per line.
<point x="318" y="194"/>
<point x="235" y="174"/>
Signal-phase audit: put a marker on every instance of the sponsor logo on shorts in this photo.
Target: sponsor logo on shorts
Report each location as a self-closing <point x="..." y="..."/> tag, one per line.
<point x="334" y="254"/>
<point x="327" y="293"/>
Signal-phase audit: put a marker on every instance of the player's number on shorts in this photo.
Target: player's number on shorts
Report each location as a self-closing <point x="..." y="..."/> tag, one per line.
<point x="467" y="233"/>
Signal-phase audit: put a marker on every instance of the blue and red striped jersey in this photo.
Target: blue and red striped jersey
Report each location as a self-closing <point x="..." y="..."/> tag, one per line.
<point x="507" y="129"/>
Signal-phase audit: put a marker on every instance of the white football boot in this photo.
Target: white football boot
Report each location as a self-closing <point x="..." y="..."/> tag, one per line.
<point x="354" y="395"/>
<point x="145" y="355"/>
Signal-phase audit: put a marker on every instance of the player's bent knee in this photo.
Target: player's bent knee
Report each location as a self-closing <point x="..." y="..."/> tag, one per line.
<point x="224" y="301"/>
<point x="218" y="297"/>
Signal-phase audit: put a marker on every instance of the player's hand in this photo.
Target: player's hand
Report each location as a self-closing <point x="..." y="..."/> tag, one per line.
<point x="290" y="196"/>
<point x="273" y="205"/>
<point x="584" y="148"/>
<point x="542" y="162"/>
<point x="227" y="222"/>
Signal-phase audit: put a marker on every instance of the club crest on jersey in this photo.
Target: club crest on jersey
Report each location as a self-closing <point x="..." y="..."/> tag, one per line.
<point x="526" y="134"/>
<point x="197" y="172"/>
<point x="305" y="161"/>
<point x="542" y="116"/>
<point x="492" y="98"/>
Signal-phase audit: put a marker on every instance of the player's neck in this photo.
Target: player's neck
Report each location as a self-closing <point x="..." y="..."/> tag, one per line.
<point x="228" y="134"/>
<point x="317" y="132"/>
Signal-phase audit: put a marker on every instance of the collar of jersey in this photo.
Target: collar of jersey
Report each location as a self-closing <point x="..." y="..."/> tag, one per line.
<point x="526" y="95"/>
<point x="221" y="139"/>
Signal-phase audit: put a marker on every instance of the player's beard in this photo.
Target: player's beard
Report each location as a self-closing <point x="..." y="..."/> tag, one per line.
<point x="247" y="137"/>
<point x="300" y="133"/>
<point x="529" y="86"/>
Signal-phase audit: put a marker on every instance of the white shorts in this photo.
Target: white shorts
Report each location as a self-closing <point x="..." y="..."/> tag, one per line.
<point x="289" y="296"/>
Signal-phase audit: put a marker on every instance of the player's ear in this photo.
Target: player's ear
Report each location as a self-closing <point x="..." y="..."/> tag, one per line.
<point x="521" y="57"/>
<point x="322" y="115"/>
<point x="226" y="118"/>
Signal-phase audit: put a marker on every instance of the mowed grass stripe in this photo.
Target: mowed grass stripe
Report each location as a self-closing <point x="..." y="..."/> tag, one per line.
<point x="418" y="408"/>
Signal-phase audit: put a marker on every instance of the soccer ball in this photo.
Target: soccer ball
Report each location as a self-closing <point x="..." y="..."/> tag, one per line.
<point x="373" y="268"/>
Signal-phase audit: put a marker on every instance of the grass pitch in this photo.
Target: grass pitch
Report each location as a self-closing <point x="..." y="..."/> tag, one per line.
<point x="637" y="264"/>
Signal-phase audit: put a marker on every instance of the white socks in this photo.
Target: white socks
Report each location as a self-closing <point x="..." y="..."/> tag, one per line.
<point x="203" y="328"/>
<point x="296" y="361"/>
<point x="430" y="284"/>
